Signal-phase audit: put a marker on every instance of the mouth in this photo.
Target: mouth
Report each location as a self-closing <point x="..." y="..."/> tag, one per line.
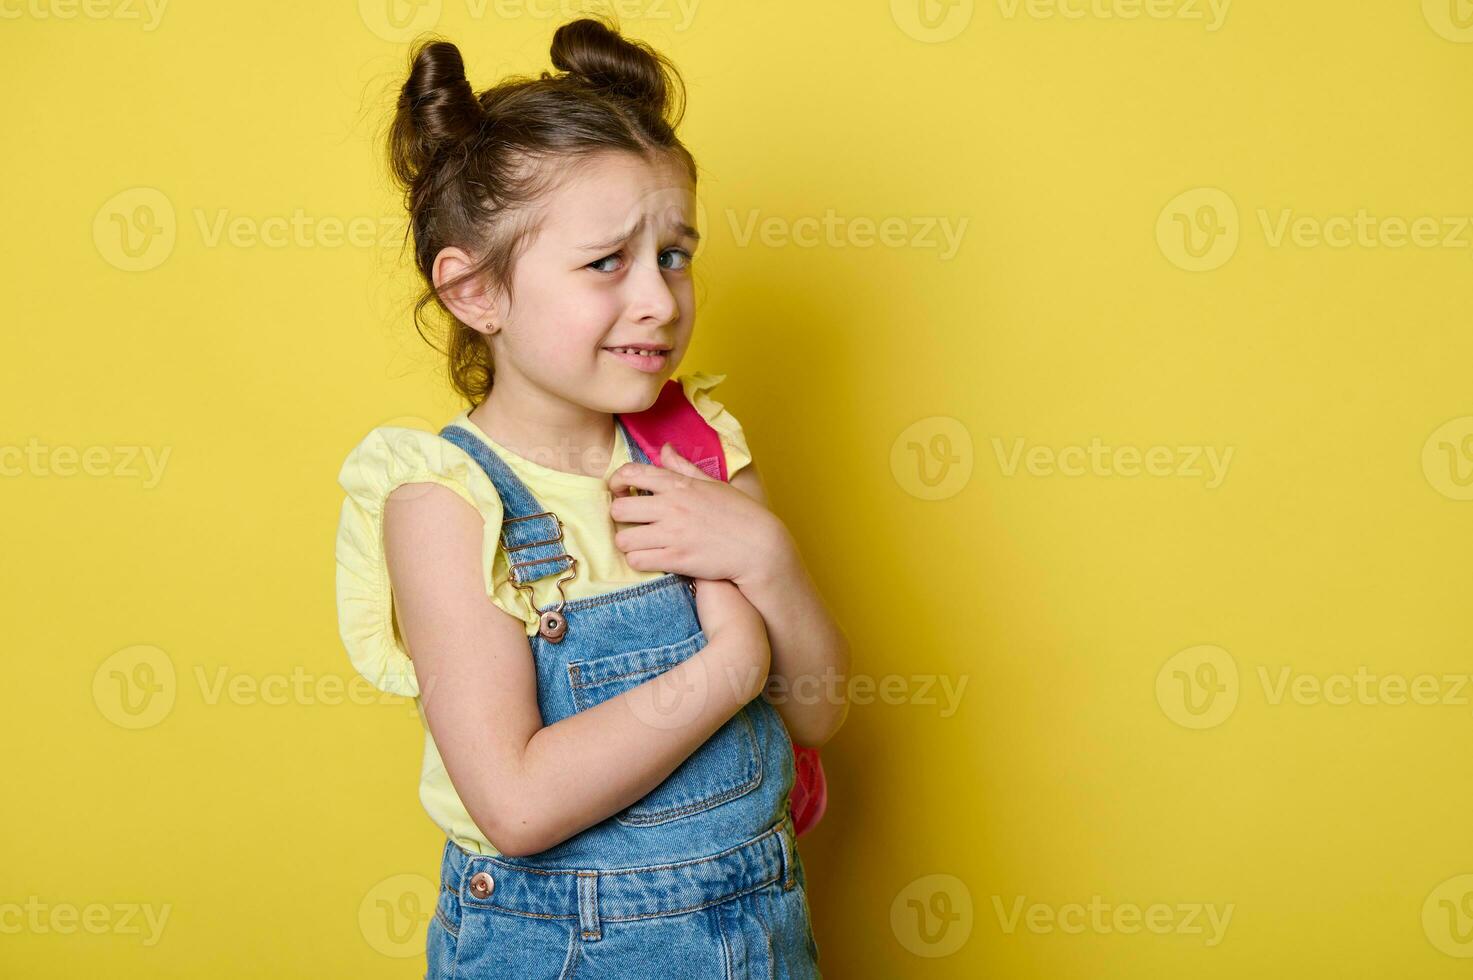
<point x="649" y="358"/>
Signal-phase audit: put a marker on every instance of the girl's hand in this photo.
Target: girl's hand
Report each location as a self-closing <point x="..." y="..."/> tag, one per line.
<point x="692" y="524"/>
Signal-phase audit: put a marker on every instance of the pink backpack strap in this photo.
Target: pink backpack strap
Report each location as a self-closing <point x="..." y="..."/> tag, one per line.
<point x="672" y="418"/>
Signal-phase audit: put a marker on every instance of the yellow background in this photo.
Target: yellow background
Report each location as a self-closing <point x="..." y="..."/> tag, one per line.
<point x="283" y="834"/>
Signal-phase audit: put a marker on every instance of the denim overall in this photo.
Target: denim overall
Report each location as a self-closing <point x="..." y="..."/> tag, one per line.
<point x="700" y="879"/>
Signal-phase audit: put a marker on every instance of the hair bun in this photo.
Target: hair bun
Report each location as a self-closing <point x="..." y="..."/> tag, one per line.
<point x="603" y="58"/>
<point x="437" y="108"/>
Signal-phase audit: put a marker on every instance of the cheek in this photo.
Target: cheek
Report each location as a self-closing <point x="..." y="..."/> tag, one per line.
<point x="562" y="320"/>
<point x="583" y="319"/>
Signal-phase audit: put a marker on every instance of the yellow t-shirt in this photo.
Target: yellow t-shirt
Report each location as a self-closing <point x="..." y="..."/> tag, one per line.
<point x="389" y="457"/>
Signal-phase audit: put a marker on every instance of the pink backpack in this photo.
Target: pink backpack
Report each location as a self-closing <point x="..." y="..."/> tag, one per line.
<point x="673" y="419"/>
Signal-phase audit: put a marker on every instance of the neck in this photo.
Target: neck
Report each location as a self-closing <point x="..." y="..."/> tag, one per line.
<point x="549" y="430"/>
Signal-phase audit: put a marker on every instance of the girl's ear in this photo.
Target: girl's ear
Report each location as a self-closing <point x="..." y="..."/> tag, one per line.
<point x="470" y="301"/>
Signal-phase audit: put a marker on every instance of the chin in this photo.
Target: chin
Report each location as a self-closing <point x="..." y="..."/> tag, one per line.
<point x="629" y="396"/>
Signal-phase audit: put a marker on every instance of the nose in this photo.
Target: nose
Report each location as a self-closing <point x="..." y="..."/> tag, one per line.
<point x="650" y="297"/>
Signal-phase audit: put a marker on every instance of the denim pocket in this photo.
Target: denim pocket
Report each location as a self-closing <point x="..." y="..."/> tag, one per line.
<point x="726" y="766"/>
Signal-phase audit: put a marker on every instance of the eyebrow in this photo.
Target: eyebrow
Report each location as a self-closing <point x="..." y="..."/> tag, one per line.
<point x="685" y="230"/>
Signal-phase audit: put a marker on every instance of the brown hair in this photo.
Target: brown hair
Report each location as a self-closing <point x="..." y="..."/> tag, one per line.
<point x="472" y="165"/>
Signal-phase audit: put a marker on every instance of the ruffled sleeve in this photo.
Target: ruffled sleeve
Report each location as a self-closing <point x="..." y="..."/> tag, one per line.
<point x="388" y="458"/>
<point x="696" y="386"/>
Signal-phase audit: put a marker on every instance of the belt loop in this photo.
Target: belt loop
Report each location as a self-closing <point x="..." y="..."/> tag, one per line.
<point x="787" y="856"/>
<point x="588" y="905"/>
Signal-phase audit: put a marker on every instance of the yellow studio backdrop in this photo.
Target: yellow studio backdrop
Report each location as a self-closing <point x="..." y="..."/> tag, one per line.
<point x="1109" y="359"/>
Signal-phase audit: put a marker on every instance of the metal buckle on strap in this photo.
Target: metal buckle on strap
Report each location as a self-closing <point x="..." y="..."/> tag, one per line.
<point x="552" y="625"/>
<point x="531" y="544"/>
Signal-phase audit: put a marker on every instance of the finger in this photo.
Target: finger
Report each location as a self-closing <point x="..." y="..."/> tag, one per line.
<point x="672" y="460"/>
<point x="642" y="476"/>
<point x="640" y="537"/>
<point x="651" y="560"/>
<point x="636" y="509"/>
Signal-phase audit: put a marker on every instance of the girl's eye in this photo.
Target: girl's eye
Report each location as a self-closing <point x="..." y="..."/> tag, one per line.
<point x="682" y="261"/>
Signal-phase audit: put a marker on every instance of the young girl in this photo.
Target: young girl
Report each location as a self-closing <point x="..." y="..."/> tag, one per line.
<point x="588" y="636"/>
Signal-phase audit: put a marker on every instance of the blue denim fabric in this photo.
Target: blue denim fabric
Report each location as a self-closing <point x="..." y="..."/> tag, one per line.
<point x="700" y="878"/>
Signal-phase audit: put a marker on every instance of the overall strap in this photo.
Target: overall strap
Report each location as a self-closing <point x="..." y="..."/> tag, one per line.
<point x="532" y="537"/>
<point x="636" y="452"/>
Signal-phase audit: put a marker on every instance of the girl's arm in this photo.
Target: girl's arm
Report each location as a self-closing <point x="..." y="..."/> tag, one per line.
<point x="810" y="652"/>
<point x="526" y="786"/>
